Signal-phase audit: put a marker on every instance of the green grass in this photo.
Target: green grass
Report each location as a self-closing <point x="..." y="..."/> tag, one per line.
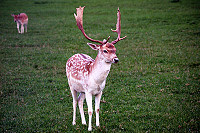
<point x="154" y="87"/>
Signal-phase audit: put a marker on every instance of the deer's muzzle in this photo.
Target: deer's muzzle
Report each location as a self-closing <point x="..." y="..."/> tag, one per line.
<point x="115" y="60"/>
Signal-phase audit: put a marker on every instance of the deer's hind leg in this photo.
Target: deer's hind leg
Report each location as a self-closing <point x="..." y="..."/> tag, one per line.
<point x="81" y="99"/>
<point x="74" y="95"/>
<point x="25" y="25"/>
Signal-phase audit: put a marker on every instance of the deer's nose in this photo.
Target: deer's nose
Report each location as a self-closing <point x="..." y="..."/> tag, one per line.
<point x="116" y="60"/>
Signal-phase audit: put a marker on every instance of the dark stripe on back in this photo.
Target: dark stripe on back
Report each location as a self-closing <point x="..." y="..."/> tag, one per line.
<point x="83" y="56"/>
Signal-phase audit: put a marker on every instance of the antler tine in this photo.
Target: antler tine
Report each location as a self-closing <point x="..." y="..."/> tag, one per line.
<point x="118" y="28"/>
<point x="79" y="21"/>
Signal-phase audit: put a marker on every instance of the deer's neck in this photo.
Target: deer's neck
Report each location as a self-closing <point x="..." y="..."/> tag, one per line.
<point x="100" y="70"/>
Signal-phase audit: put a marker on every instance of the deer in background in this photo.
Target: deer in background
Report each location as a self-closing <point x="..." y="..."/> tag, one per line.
<point x="21" y="19"/>
<point x="87" y="76"/>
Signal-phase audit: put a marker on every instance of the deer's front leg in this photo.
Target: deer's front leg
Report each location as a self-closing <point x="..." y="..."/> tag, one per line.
<point x="97" y="106"/>
<point x="18" y="27"/>
<point x="90" y="110"/>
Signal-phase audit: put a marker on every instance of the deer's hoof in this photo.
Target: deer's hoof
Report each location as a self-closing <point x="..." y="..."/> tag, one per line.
<point x="89" y="129"/>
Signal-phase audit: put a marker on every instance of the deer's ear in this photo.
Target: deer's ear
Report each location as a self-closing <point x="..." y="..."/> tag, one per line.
<point x="94" y="46"/>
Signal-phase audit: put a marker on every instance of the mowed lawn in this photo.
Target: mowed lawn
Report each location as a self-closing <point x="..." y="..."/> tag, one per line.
<point x="155" y="87"/>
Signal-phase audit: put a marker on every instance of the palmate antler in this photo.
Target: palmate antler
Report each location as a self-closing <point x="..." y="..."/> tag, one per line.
<point x="79" y="21"/>
<point x="118" y="28"/>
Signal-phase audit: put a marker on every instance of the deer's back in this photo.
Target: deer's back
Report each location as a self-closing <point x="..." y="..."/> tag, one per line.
<point x="23" y="18"/>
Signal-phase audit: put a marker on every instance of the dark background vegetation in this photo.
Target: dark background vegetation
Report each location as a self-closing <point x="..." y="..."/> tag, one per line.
<point x="154" y="87"/>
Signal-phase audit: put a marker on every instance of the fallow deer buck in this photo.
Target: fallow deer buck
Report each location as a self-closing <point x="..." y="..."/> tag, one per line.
<point x="21" y="19"/>
<point x="87" y="76"/>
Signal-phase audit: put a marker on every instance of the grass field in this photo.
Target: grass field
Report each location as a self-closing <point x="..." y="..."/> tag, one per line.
<point x="155" y="87"/>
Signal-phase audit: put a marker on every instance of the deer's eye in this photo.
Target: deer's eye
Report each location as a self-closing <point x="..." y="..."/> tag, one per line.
<point x="105" y="51"/>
